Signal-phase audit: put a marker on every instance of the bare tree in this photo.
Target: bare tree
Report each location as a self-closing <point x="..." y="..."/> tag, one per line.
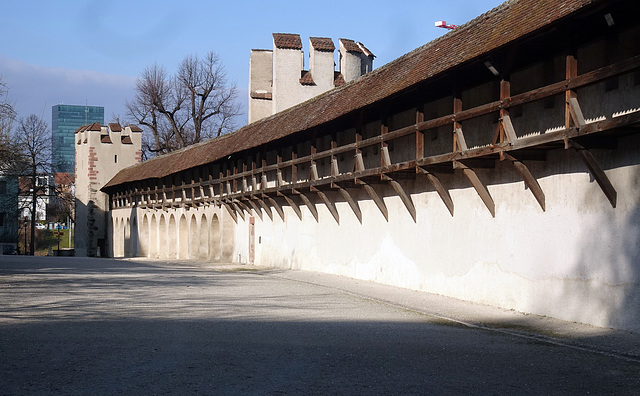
<point x="33" y="140"/>
<point x="195" y="104"/>
<point x="7" y="117"/>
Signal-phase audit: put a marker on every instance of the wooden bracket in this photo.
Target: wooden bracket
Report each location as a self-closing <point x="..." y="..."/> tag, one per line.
<point x="442" y="192"/>
<point x="529" y="180"/>
<point x="266" y="208"/>
<point x="294" y="206"/>
<point x="575" y="112"/>
<point x="406" y="199"/>
<point x="275" y="205"/>
<point x="231" y="212"/>
<point x="255" y="208"/>
<point x="597" y="172"/>
<point x="352" y="203"/>
<point x="310" y="205"/>
<point x="460" y="141"/>
<point x="330" y="206"/>
<point x="477" y="184"/>
<point x="376" y="199"/>
<point x="238" y="209"/>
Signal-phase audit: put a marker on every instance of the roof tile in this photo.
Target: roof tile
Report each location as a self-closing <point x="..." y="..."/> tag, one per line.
<point x="287" y="40"/>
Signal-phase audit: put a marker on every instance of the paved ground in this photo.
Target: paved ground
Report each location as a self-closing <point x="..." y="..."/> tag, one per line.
<point x="98" y="326"/>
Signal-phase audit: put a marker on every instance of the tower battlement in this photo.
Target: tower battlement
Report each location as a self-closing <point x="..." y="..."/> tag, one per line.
<point x="278" y="79"/>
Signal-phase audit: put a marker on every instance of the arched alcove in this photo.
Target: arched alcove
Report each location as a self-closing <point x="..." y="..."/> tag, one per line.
<point x="143" y="243"/>
<point x="153" y="237"/>
<point x="184" y="238"/>
<point x="214" y="239"/>
<point x="203" y="250"/>
<point x="193" y="238"/>
<point x="162" y="237"/>
<point x="172" y="242"/>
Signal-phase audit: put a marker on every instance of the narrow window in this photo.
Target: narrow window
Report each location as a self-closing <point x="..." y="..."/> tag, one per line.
<point x="116" y="158"/>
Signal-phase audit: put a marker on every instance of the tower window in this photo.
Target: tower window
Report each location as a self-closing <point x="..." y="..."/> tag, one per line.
<point x="115" y="158"/>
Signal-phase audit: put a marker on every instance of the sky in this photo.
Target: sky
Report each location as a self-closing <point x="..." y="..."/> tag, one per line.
<point x="92" y="51"/>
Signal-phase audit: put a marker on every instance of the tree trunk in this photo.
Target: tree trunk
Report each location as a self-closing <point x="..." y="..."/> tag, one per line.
<point x="32" y="243"/>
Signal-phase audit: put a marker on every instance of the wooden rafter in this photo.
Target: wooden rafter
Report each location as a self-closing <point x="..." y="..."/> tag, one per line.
<point x="238" y="209"/>
<point x="479" y="187"/>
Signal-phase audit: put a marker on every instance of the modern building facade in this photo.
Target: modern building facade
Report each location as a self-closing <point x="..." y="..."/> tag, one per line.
<point x="65" y="120"/>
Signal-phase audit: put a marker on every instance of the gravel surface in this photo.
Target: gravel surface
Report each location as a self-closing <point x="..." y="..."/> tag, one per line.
<point x="99" y="326"/>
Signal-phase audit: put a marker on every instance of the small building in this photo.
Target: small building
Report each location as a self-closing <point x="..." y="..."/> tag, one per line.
<point x="8" y="214"/>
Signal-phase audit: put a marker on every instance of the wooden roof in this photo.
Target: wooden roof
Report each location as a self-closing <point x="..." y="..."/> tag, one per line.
<point x="510" y="21"/>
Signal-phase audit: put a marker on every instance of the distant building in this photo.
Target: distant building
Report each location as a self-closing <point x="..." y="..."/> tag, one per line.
<point x="278" y="80"/>
<point x="65" y="120"/>
<point x="8" y="214"/>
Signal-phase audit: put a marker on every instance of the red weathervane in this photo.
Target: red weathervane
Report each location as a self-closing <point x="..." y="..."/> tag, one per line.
<point x="443" y="24"/>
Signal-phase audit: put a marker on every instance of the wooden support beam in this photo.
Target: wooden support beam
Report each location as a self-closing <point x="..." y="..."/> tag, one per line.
<point x="529" y="180"/>
<point x="479" y="187"/>
<point x="352" y="203"/>
<point x="266" y="208"/>
<point x="576" y="112"/>
<point x="238" y="210"/>
<point x="294" y="206"/>
<point x="376" y="199"/>
<point x="274" y="203"/>
<point x="310" y="205"/>
<point x="406" y="198"/>
<point x="329" y="205"/>
<point x="255" y="208"/>
<point x="597" y="172"/>
<point x="442" y="192"/>
<point x="231" y="212"/>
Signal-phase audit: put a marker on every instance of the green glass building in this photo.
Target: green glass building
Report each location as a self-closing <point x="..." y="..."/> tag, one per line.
<point x="65" y="119"/>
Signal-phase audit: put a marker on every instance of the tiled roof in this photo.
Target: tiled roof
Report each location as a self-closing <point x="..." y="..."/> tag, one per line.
<point x="287" y="40"/>
<point x="115" y="127"/>
<point x="338" y="79"/>
<point x="135" y="128"/>
<point x="306" y="79"/>
<point x="365" y="49"/>
<point x="95" y="127"/>
<point x="126" y="140"/>
<point x="350" y="45"/>
<point x="494" y="29"/>
<point x="105" y="139"/>
<point x="322" y="44"/>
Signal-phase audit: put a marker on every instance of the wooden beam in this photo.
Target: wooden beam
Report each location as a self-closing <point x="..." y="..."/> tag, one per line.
<point x="376" y="199"/>
<point x="352" y="203"/>
<point x="329" y="205"/>
<point x="266" y="208"/>
<point x="231" y="212"/>
<point x="406" y="199"/>
<point x="275" y="205"/>
<point x="597" y="172"/>
<point x="479" y="187"/>
<point x="255" y="208"/>
<point x="238" y="209"/>
<point x="294" y="206"/>
<point x="442" y="192"/>
<point x="310" y="205"/>
<point x="529" y="180"/>
<point x="576" y="112"/>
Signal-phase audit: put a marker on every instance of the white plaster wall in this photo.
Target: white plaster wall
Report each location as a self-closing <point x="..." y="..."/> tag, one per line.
<point x="287" y="65"/>
<point x="578" y="261"/>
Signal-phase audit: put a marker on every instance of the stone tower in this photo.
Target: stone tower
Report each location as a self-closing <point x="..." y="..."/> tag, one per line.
<point x="101" y="152"/>
<point x="278" y="79"/>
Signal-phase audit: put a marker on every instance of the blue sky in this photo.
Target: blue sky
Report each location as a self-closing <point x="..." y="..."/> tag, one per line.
<point x="91" y="51"/>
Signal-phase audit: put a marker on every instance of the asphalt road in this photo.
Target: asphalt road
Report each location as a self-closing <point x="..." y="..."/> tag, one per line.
<point x="99" y="326"/>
